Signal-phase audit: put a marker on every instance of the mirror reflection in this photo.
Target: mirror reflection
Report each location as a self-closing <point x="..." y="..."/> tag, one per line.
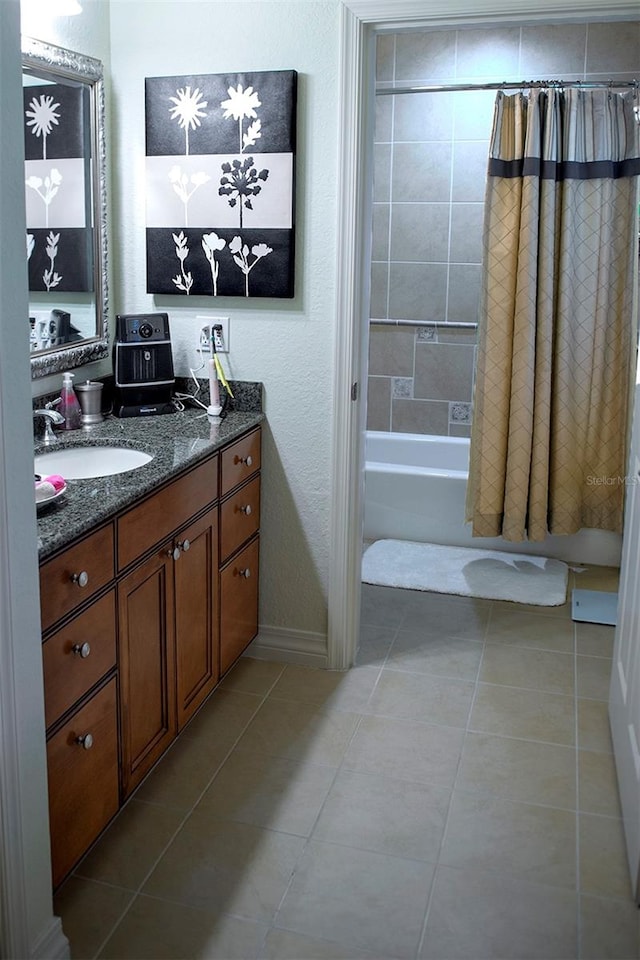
<point x="65" y="200"/>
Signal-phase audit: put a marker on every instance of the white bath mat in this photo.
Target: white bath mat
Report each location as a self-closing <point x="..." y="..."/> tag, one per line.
<point x="466" y="571"/>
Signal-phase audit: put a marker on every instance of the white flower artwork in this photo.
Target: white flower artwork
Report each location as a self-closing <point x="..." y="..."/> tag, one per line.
<point x="42" y="118"/>
<point x="50" y="185"/>
<point x="50" y="277"/>
<point x="220" y="183"/>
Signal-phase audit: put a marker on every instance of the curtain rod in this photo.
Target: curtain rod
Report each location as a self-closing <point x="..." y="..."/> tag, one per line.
<point x="525" y="85"/>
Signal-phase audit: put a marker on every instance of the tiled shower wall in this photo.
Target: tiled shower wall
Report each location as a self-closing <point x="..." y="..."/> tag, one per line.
<point x="429" y="180"/>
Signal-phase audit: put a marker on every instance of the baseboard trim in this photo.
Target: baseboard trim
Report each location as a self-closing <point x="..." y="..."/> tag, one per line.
<point x="52" y="944"/>
<point x="289" y="646"/>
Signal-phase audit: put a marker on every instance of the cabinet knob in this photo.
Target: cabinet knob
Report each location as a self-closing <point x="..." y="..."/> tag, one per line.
<point x="82" y="649"/>
<point x="184" y="545"/>
<point x="174" y="552"/>
<point x="246" y="573"/>
<point x="82" y="578"/>
<point x="246" y="509"/>
<point x="85" y="741"/>
<point x="246" y="460"/>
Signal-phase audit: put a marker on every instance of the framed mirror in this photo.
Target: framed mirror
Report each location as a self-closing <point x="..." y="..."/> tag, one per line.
<point x="66" y="207"/>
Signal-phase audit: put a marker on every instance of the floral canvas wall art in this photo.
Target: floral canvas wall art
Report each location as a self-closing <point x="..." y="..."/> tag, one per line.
<point x="58" y="188"/>
<point x="220" y="166"/>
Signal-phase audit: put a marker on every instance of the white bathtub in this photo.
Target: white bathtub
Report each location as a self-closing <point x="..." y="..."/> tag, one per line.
<point x="415" y="488"/>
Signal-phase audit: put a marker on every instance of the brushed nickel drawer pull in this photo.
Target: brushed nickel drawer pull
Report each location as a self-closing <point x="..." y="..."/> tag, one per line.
<point x="246" y="509"/>
<point x="246" y="573"/>
<point x="184" y="545"/>
<point x="248" y="461"/>
<point x="82" y="578"/>
<point x="82" y="649"/>
<point x="174" y="553"/>
<point x="85" y="741"/>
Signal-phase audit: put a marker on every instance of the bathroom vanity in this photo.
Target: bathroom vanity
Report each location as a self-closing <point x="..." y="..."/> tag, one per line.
<point x="149" y="593"/>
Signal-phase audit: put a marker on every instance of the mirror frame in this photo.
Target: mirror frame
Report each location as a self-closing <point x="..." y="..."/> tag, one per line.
<point x="59" y="62"/>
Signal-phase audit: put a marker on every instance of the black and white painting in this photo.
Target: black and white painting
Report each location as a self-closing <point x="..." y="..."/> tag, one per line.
<point x="220" y="171"/>
<point x="58" y="187"/>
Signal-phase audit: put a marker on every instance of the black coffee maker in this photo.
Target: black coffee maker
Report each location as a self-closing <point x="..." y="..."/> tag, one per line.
<point x="142" y="365"/>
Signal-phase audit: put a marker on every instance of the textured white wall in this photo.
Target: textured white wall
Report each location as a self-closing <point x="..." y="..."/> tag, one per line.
<point x="287" y="344"/>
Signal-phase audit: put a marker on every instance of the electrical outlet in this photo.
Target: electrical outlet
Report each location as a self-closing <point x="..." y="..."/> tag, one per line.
<point x="218" y="327"/>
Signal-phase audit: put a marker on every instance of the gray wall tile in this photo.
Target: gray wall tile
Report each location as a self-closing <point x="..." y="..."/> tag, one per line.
<point x="466" y="232"/>
<point x="464" y="292"/>
<point x="384" y="120"/>
<point x="379" y="290"/>
<point x="417" y="291"/>
<point x="382" y="172"/>
<point x="424" y="117"/>
<point x="456" y="335"/>
<point x="391" y="351"/>
<point x="490" y="52"/>
<point x="613" y="46"/>
<point x="420" y="416"/>
<point x="422" y="171"/>
<point x="420" y="231"/>
<point x="380" y="231"/>
<point x="443" y="371"/>
<point x="385" y="52"/>
<point x="425" y="56"/>
<point x="459" y="430"/>
<point x="379" y="403"/>
<point x="473" y="114"/>
<point x="548" y="49"/>
<point x="469" y="171"/>
<point x="402" y="388"/>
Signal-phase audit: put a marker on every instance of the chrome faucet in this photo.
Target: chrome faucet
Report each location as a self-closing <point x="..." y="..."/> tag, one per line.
<point x="51" y="417"/>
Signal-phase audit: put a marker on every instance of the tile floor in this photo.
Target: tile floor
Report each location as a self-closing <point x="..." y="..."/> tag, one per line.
<point x="453" y="796"/>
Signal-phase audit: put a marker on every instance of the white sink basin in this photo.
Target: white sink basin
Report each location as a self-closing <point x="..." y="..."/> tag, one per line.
<point x="83" y="463"/>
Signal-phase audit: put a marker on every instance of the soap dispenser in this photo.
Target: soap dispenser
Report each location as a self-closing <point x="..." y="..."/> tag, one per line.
<point x="69" y="406"/>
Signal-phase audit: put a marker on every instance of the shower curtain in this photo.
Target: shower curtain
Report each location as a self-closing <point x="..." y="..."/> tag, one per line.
<point x="557" y="315"/>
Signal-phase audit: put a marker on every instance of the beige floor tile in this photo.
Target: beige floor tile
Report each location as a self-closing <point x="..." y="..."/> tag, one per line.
<point x="374" y="644"/>
<point x="396" y="817"/>
<point x="131" y="845"/>
<point x="528" y="714"/>
<point x="598" y="578"/>
<point x="598" y="785"/>
<point x="382" y="606"/>
<point x="523" y="770"/>
<point x="89" y="911"/>
<point x="440" y="655"/>
<point x="594" y="732"/>
<point x="420" y="696"/>
<point x="226" y="867"/>
<point x="524" y="667"/>
<point x="593" y="677"/>
<point x="329" y="689"/>
<point x="477" y="914"/>
<point x="603" y="859"/>
<point x="225" y="715"/>
<point x="562" y="610"/>
<point x="372" y="901"/>
<point x="299" y="731"/>
<point x="517" y="839"/>
<point x="184" y="772"/>
<point x="269" y="792"/>
<point x="526" y="630"/>
<point x="250" y="675"/>
<point x="156" y="930"/>
<point x="444" y="615"/>
<point x="405" y="749"/>
<point x="594" y="639"/>
<point x="608" y="929"/>
<point x="286" y="945"/>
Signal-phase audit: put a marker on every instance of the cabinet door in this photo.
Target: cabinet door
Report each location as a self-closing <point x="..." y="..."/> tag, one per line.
<point x="196" y="613"/>
<point x="82" y="762"/>
<point x="238" y="604"/>
<point x="147" y="665"/>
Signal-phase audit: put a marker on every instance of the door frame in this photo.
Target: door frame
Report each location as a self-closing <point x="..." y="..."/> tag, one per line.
<point x="360" y="21"/>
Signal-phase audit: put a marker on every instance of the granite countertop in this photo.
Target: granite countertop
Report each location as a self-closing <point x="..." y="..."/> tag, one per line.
<point x="176" y="442"/>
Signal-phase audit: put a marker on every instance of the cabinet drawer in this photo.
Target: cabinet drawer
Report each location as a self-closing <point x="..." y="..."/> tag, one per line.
<point x="76" y="657"/>
<point x="165" y="511"/>
<point x="62" y="586"/>
<point x="239" y="461"/>
<point x="238" y="604"/>
<point x="83" y="783"/>
<point x="239" y="518"/>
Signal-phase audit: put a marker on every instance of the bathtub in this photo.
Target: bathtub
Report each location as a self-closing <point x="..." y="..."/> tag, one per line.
<point x="415" y="489"/>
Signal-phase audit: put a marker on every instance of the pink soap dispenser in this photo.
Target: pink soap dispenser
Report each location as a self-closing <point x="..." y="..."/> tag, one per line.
<point x="69" y="406"/>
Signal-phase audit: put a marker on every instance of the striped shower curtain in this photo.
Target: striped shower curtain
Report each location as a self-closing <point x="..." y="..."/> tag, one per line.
<point x="557" y="315"/>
